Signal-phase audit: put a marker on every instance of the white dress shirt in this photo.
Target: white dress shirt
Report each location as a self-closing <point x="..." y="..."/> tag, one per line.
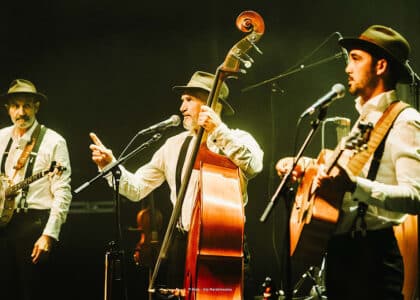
<point x="239" y="146"/>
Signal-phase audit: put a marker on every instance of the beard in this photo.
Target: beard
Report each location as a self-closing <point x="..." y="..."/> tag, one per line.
<point x="24" y="122"/>
<point x="189" y="124"/>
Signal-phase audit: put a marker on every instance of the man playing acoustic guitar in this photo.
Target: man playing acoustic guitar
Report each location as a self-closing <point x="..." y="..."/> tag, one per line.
<point x="32" y="215"/>
<point x="363" y="257"/>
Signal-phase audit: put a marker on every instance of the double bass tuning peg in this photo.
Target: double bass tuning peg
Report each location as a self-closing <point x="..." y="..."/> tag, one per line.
<point x="247" y="63"/>
<point x="255" y="47"/>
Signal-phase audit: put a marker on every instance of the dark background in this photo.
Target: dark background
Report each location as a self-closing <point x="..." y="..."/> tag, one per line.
<point x="109" y="66"/>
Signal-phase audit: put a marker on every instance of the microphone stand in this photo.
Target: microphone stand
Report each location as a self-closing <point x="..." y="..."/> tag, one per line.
<point x="114" y="256"/>
<point x="284" y="190"/>
<point x="293" y="71"/>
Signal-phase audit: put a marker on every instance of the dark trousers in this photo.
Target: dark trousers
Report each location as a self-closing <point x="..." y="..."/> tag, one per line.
<point x="20" y="279"/>
<point x="364" y="267"/>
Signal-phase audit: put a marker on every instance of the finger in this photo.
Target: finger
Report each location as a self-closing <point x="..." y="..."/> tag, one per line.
<point x="95" y="139"/>
<point x="35" y="255"/>
<point x="34" y="250"/>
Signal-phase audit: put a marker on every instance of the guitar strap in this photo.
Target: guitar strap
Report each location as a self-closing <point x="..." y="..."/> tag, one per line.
<point x="382" y="130"/>
<point x="25" y="153"/>
<point x="36" y="140"/>
<point x="179" y="165"/>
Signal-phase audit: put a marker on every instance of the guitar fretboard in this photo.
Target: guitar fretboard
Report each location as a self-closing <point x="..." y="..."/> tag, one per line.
<point x="14" y="188"/>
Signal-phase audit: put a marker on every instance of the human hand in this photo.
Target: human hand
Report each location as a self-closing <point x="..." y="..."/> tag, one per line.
<point x="101" y="155"/>
<point x="334" y="185"/>
<point x="208" y="119"/>
<point x="41" y="249"/>
<point x="284" y="165"/>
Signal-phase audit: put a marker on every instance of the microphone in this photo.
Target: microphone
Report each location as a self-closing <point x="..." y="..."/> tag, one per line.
<point x="342" y="126"/>
<point x="344" y="51"/>
<point x="174" y="120"/>
<point x="337" y="92"/>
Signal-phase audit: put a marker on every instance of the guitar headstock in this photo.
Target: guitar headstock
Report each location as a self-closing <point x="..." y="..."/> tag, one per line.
<point x="357" y="140"/>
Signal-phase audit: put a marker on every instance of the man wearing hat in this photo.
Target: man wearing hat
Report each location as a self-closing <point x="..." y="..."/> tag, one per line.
<point x="237" y="145"/>
<point x="27" y="238"/>
<point x="363" y="258"/>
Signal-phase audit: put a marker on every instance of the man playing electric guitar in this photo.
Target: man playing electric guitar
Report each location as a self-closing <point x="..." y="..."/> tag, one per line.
<point x="38" y="209"/>
<point x="363" y="257"/>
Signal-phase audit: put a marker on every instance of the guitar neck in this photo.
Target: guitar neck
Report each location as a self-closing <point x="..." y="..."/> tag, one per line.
<point x="24" y="183"/>
<point x="335" y="156"/>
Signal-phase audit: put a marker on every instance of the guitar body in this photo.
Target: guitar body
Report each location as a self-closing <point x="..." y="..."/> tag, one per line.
<point x="312" y="218"/>
<point x="7" y="202"/>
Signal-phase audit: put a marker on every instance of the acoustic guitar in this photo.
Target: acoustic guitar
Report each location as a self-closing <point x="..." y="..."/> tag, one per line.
<point x="312" y="217"/>
<point x="9" y="192"/>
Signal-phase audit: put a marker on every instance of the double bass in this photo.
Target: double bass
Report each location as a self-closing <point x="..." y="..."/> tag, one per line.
<point x="214" y="259"/>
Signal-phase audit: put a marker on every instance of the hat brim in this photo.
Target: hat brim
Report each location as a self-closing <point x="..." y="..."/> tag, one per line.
<point x="404" y="75"/>
<point x="38" y="96"/>
<point x="227" y="108"/>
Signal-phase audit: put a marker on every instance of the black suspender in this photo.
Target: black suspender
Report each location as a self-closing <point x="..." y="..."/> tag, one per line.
<point x="179" y="165"/>
<point x="181" y="160"/>
<point x="5" y="154"/>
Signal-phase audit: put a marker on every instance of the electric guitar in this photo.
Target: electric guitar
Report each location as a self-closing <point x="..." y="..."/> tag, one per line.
<point x="313" y="218"/>
<point x="8" y="193"/>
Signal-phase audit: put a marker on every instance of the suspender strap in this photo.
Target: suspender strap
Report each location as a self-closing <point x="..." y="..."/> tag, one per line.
<point x="31" y="162"/>
<point x="377" y="156"/>
<point x="179" y="165"/>
<point x="181" y="160"/>
<point x="5" y="154"/>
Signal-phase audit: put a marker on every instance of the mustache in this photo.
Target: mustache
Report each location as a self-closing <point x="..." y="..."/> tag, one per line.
<point x="25" y="118"/>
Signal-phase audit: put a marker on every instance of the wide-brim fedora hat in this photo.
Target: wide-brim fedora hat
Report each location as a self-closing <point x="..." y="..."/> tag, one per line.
<point x="22" y="87"/>
<point x="204" y="81"/>
<point x="384" y="41"/>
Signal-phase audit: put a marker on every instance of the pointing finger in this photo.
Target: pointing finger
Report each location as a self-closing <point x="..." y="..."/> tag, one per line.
<point x="95" y="139"/>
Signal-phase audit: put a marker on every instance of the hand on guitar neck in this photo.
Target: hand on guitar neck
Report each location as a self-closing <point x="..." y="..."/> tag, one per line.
<point x="284" y="165"/>
<point x="339" y="180"/>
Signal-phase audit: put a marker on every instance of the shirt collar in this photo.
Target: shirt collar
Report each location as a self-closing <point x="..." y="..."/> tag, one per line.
<point x="377" y="103"/>
<point x="26" y="137"/>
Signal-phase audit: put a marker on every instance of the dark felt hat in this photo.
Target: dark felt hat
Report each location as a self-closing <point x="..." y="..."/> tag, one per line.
<point x="22" y="87"/>
<point x="204" y="81"/>
<point x="382" y="41"/>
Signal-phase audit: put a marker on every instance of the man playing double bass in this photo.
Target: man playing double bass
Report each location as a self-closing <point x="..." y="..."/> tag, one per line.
<point x="169" y="162"/>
